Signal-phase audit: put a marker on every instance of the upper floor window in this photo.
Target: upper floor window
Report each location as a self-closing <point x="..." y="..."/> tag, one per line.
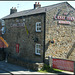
<point x="2" y="22"/>
<point x="38" y="26"/>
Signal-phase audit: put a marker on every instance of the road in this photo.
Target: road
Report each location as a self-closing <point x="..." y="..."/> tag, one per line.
<point x="11" y="69"/>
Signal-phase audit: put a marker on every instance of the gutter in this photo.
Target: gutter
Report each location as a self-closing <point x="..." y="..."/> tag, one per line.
<point x="10" y="16"/>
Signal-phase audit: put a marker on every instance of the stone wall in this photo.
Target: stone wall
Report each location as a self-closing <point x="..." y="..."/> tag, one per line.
<point x="28" y="65"/>
<point x="63" y="35"/>
<point x="2" y="54"/>
<point x="26" y="42"/>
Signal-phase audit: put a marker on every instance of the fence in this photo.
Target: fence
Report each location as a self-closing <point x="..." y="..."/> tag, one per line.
<point x="62" y="64"/>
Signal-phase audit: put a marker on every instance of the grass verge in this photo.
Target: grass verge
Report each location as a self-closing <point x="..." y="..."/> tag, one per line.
<point x="47" y="69"/>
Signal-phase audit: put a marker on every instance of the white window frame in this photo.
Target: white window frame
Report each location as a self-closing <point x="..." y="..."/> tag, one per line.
<point x="3" y="23"/>
<point x="36" y="52"/>
<point x="3" y="30"/>
<point x="38" y="26"/>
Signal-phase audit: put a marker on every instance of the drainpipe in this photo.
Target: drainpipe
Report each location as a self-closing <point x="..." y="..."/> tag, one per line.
<point x="6" y="56"/>
<point x="44" y="39"/>
<point x="5" y="53"/>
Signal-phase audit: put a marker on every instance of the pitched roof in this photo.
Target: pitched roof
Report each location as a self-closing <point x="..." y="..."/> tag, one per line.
<point x="34" y="11"/>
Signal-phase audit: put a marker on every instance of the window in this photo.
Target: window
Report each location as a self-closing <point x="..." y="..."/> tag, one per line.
<point x="37" y="49"/>
<point x="3" y="22"/>
<point x="38" y="26"/>
<point x="23" y="20"/>
<point x="3" y="30"/>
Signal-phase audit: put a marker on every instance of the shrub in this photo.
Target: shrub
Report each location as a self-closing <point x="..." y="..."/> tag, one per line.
<point x="47" y="68"/>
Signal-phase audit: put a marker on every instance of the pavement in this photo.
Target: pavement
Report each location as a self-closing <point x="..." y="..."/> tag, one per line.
<point x="11" y="69"/>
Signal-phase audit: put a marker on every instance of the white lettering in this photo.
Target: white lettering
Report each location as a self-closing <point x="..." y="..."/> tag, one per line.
<point x="63" y="64"/>
<point x="17" y="25"/>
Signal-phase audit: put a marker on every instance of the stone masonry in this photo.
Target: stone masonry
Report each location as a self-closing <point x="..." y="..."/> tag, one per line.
<point x="26" y="42"/>
<point x="63" y="35"/>
<point x="59" y="38"/>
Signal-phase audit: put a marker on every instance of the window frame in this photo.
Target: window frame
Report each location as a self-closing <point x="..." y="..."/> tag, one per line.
<point x="38" y="26"/>
<point x="3" y="23"/>
<point x="37" y="49"/>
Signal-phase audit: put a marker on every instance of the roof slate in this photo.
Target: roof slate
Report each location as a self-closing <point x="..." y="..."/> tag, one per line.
<point x="33" y="11"/>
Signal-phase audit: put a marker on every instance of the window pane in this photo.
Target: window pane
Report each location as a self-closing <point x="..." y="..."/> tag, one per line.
<point x="36" y="46"/>
<point x="38" y="26"/>
<point x="38" y="51"/>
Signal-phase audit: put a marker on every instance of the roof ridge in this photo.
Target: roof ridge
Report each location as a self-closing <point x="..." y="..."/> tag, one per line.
<point x="42" y="7"/>
<point x="55" y="4"/>
<point x="34" y="11"/>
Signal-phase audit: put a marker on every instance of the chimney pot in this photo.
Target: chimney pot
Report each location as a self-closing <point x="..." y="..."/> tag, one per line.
<point x="38" y="3"/>
<point x="13" y="10"/>
<point x="14" y="7"/>
<point x="35" y="2"/>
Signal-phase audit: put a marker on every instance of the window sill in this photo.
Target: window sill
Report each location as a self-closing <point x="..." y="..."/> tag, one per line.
<point x="38" y="31"/>
<point x="38" y="54"/>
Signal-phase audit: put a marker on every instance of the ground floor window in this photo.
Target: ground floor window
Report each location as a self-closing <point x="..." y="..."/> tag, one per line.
<point x="37" y="49"/>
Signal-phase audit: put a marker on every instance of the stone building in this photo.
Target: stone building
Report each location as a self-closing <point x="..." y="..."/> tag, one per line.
<point x="3" y="43"/>
<point x="35" y="34"/>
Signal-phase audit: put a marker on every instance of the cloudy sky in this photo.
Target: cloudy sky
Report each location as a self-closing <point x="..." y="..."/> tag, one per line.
<point x="5" y="6"/>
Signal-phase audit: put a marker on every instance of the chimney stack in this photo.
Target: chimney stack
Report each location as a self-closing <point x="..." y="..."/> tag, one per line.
<point x="37" y="5"/>
<point x="13" y="10"/>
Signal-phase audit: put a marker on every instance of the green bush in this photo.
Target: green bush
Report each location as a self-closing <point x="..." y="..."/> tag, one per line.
<point x="47" y="68"/>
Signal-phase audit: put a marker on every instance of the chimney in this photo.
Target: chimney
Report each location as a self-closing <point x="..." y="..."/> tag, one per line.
<point x="37" y="5"/>
<point x="13" y="10"/>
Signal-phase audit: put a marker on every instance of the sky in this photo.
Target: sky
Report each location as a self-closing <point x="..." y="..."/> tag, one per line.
<point x="5" y="6"/>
